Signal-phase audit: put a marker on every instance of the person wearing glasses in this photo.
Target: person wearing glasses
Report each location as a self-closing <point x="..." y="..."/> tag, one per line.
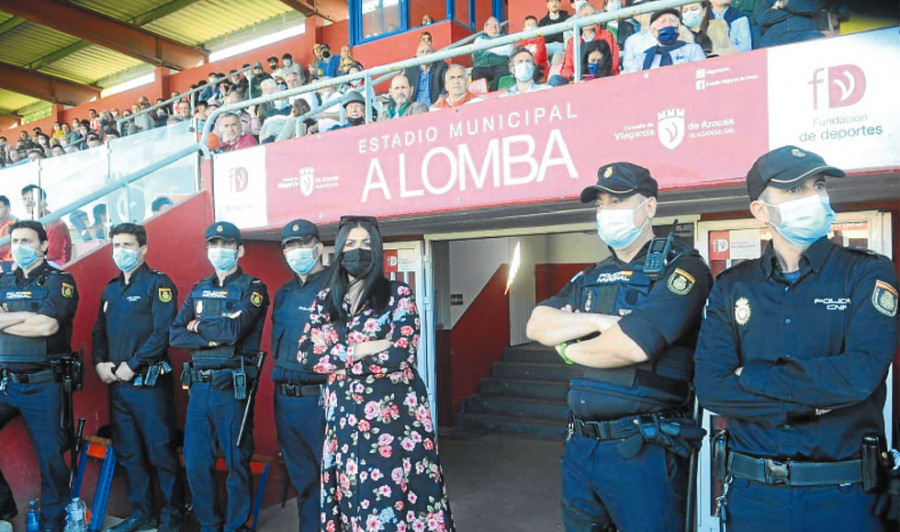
<point x="380" y="467"/>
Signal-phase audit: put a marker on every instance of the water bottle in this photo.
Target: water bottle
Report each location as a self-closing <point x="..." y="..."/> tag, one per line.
<point x="33" y="520"/>
<point x="75" y="511"/>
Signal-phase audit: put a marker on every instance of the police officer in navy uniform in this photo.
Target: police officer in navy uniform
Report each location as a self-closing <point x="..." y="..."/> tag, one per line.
<point x="130" y="340"/>
<point x="631" y="328"/>
<point x="794" y="351"/>
<point x="221" y="323"/>
<point x="37" y="307"/>
<point x="299" y="416"/>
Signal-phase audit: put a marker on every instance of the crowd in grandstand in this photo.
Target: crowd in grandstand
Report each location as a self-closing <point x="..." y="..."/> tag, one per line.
<point x="671" y="36"/>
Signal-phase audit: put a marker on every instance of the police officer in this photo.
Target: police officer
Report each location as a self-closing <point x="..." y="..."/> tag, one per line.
<point x="37" y="307"/>
<point x="794" y="350"/>
<point x="299" y="418"/>
<point x="221" y="323"/>
<point x="130" y="340"/>
<point x="630" y="323"/>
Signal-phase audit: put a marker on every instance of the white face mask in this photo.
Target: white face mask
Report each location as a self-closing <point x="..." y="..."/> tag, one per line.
<point x="616" y="226"/>
<point x="287" y="62"/>
<point x="804" y="220"/>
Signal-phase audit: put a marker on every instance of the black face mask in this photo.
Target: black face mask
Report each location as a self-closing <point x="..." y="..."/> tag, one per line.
<point x="357" y="262"/>
<point x="326" y="54"/>
<point x="357" y="121"/>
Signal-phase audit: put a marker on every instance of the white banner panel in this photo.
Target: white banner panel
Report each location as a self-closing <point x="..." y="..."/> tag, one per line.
<point x="239" y="181"/>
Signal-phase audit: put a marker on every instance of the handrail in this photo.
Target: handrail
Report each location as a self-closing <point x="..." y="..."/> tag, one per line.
<point x="470" y="38"/>
<point x="560" y="27"/>
<point x="120" y="183"/>
<point x="191" y="93"/>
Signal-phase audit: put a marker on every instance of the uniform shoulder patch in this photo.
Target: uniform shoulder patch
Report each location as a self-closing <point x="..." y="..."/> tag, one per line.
<point x="884" y="298"/>
<point x="576" y="276"/>
<point x="680" y="282"/>
<point x="256" y="281"/>
<point x="164" y="294"/>
<point x="256" y="299"/>
<point x="67" y="290"/>
<point x="742" y="311"/>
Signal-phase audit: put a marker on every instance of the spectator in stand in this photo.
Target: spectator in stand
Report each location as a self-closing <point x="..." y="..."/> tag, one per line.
<point x="57" y="150"/>
<point x="161" y="205"/>
<point x="161" y="114"/>
<point x="328" y="64"/>
<point x="233" y="138"/>
<point x="353" y="85"/>
<point x="58" y="133"/>
<point x="184" y="111"/>
<point x="426" y="38"/>
<point x="79" y="220"/>
<point x="401" y="103"/>
<point x="426" y="80"/>
<point x="588" y="34"/>
<point x="60" y="250"/>
<point x="16" y="155"/>
<point x="238" y="80"/>
<point x="491" y="64"/>
<point x="273" y="66"/>
<point x="27" y="143"/>
<point x="596" y="60"/>
<point x="143" y="121"/>
<point x="426" y="20"/>
<point x="200" y="112"/>
<point x="93" y="141"/>
<point x="556" y="42"/>
<point x="43" y="143"/>
<point x="694" y="17"/>
<point x="101" y="222"/>
<point x="36" y="155"/>
<point x="6" y="221"/>
<point x="537" y="46"/>
<point x="248" y="118"/>
<point x="257" y="76"/>
<point x="288" y="66"/>
<point x="94" y="120"/>
<point x="298" y="80"/>
<point x="787" y="21"/>
<point x="75" y="123"/>
<point x="355" y="105"/>
<point x="294" y="127"/>
<point x="524" y="69"/>
<point x="4" y="149"/>
<point x="209" y="88"/>
<point x="637" y="43"/>
<point x="669" y="50"/>
<point x="329" y="112"/>
<point x="738" y="23"/>
<point x="278" y="107"/>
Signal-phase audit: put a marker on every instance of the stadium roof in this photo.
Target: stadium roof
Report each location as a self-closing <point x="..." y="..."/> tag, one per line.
<point x="68" y="50"/>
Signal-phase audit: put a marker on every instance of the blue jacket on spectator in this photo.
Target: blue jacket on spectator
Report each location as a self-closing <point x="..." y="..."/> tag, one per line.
<point x="738" y="28"/>
<point x="793" y="23"/>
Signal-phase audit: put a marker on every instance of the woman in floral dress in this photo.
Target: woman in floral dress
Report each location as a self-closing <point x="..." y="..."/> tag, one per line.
<point x="380" y="468"/>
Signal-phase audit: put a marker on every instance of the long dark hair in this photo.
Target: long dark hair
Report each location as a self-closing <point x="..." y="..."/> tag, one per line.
<point x="597" y="45"/>
<point x="376" y="289"/>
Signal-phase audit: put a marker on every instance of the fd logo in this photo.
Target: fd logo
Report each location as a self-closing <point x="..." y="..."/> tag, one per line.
<point x="720" y="245"/>
<point x="393" y="262"/>
<point x="238" y="178"/>
<point x="670" y="124"/>
<point x="846" y="85"/>
<point x="307" y="180"/>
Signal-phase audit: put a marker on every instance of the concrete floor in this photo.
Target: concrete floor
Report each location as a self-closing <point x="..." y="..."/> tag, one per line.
<point x="495" y="483"/>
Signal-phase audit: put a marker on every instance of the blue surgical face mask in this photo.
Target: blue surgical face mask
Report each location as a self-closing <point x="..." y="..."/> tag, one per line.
<point x="804" y="220"/>
<point x="301" y="260"/>
<point x="593" y="69"/>
<point x="24" y="256"/>
<point x="125" y="258"/>
<point x="667" y="35"/>
<point x="524" y="71"/>
<point x="222" y="259"/>
<point x="691" y="18"/>
<point x="616" y="226"/>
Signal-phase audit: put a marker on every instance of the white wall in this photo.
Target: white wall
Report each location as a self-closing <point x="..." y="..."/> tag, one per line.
<point x="569" y="248"/>
<point x="472" y="263"/>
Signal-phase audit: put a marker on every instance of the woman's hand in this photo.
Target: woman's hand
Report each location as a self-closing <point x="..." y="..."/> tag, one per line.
<point x="365" y="349"/>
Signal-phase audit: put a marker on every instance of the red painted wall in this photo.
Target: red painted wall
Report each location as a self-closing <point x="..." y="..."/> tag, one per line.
<point x="478" y="339"/>
<point x="436" y="8"/>
<point x="550" y="278"/>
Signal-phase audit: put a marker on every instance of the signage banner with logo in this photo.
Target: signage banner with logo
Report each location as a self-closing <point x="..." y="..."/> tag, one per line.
<point x="696" y="125"/>
<point x="239" y="186"/>
<point x="838" y="98"/>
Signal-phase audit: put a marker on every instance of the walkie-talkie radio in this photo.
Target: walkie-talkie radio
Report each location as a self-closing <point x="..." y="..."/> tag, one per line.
<point x="655" y="263"/>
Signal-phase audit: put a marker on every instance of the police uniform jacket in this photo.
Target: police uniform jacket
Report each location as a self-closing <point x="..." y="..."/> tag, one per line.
<point x="293" y="303"/>
<point x="824" y="342"/>
<point x="134" y="319"/>
<point x="662" y="317"/>
<point x="231" y="318"/>
<point x="45" y="291"/>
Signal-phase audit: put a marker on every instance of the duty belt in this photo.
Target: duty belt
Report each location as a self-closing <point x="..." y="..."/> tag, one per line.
<point x="39" y="377"/>
<point x="298" y="390"/>
<point x="616" y="429"/>
<point x="791" y="473"/>
<point x="207" y="375"/>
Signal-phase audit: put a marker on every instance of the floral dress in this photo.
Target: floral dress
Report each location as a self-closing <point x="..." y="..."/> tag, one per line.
<point x="380" y="468"/>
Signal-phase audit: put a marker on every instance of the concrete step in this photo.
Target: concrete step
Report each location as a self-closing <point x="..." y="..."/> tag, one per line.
<point x="532" y="371"/>
<point x="536" y="389"/>
<point x="533" y="353"/>
<point x="545" y="430"/>
<point x="518" y="407"/>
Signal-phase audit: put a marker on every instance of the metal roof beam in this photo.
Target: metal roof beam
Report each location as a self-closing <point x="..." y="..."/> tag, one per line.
<point x="333" y="10"/>
<point x="11" y="23"/>
<point x="45" y="87"/>
<point x="161" y="11"/>
<point x="57" y="55"/>
<point x="99" y="29"/>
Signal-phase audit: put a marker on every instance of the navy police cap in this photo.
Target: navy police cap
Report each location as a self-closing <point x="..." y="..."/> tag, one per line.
<point x="621" y="179"/>
<point x="225" y="230"/>
<point x="299" y="229"/>
<point x="785" y="168"/>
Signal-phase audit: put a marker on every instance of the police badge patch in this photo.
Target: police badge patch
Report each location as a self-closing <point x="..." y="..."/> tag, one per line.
<point x="680" y="282"/>
<point x="256" y="298"/>
<point x="198" y="308"/>
<point x="884" y="298"/>
<point x="742" y="311"/>
<point x="67" y="290"/>
<point x="165" y="295"/>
